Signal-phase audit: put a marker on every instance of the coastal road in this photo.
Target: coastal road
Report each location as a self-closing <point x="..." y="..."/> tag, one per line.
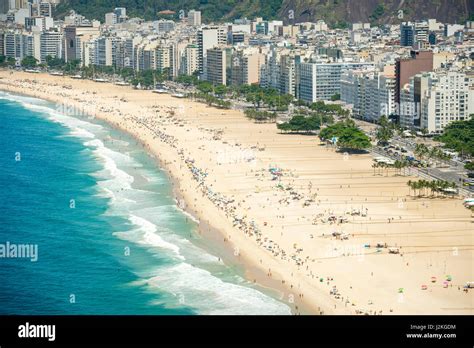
<point x="451" y="174"/>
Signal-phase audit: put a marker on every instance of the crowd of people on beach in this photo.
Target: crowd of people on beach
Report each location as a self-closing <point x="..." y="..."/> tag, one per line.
<point x="281" y="182"/>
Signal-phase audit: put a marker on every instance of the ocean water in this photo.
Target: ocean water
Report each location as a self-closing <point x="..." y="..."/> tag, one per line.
<point x="110" y="237"/>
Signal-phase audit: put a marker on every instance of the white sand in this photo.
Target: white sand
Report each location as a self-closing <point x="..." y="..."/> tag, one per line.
<point x="435" y="235"/>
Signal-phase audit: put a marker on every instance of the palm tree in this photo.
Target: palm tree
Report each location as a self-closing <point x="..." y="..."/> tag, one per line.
<point x="434" y="153"/>
<point x="374" y="165"/>
<point x="433" y="186"/>
<point x="415" y="187"/>
<point x="382" y="165"/>
<point x="410" y="186"/>
<point x="421" y="188"/>
<point x="421" y="150"/>
<point x="399" y="165"/>
<point x="396" y="164"/>
<point x="405" y="164"/>
<point x="422" y="185"/>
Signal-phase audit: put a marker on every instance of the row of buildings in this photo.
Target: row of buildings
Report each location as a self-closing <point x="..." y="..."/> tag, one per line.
<point x="423" y="91"/>
<point x="395" y="70"/>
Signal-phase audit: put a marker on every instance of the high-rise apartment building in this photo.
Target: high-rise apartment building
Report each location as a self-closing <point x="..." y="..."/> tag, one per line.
<point x="194" y="18"/>
<point x="246" y="67"/>
<point x="448" y="98"/>
<point x="51" y="45"/>
<point x="219" y="65"/>
<point x="190" y="61"/>
<point x="405" y="68"/>
<point x="209" y="37"/>
<point x="321" y="81"/>
<point x="413" y="32"/>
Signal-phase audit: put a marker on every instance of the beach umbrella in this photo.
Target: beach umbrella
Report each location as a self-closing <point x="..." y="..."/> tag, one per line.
<point x="445" y="284"/>
<point x="433" y="279"/>
<point x="424" y="287"/>
<point x="449" y="278"/>
<point x="400" y="290"/>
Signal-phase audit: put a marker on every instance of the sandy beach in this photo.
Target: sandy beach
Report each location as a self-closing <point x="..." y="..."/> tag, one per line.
<point x="300" y="218"/>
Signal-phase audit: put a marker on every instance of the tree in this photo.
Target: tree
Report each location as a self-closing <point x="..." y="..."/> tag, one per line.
<point x="72" y="65"/>
<point x="421" y="150"/>
<point x="354" y="139"/>
<point x="375" y="165"/>
<point x="385" y="131"/>
<point x="220" y="90"/>
<point x="377" y="13"/>
<point x="260" y="116"/>
<point x="187" y="79"/>
<point x="300" y="123"/>
<point x="335" y="97"/>
<point x="348" y="135"/>
<point x="469" y="166"/>
<point x="29" y="62"/>
<point x="11" y="61"/>
<point x="54" y="62"/>
<point x="459" y="136"/>
<point x="205" y="87"/>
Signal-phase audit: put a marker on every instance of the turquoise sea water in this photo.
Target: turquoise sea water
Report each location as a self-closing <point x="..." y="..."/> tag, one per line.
<point x="110" y="237"/>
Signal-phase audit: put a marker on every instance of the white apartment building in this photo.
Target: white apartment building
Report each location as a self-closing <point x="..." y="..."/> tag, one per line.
<point x="190" y="61"/>
<point x="2" y="44"/>
<point x="14" y="47"/>
<point x="246" y="67"/>
<point x="288" y="75"/>
<point x="307" y="81"/>
<point x="51" y="45"/>
<point x="209" y="37"/>
<point x="164" y="26"/>
<point x="370" y="93"/>
<point x="45" y="9"/>
<point x="125" y="52"/>
<point x="270" y="71"/>
<point x="164" y="57"/>
<point x="145" y="55"/>
<point x="121" y="13"/>
<point x="194" y="18"/>
<point x="320" y="81"/>
<point x="219" y="63"/>
<point x="100" y="51"/>
<point x="407" y="108"/>
<point x="110" y="18"/>
<point x="449" y="98"/>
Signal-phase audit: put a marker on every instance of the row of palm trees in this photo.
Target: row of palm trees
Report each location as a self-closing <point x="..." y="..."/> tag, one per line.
<point x="434" y="186"/>
<point x="398" y="165"/>
<point x="424" y="152"/>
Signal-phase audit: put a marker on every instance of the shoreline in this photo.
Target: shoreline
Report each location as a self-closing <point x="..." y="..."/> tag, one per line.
<point x="340" y="186"/>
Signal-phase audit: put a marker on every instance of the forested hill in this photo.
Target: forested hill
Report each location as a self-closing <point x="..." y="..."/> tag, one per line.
<point x="212" y="10"/>
<point x="332" y="11"/>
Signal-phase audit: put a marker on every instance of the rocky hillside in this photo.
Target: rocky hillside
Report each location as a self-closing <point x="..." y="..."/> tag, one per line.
<point x="378" y="11"/>
<point x="340" y="12"/>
